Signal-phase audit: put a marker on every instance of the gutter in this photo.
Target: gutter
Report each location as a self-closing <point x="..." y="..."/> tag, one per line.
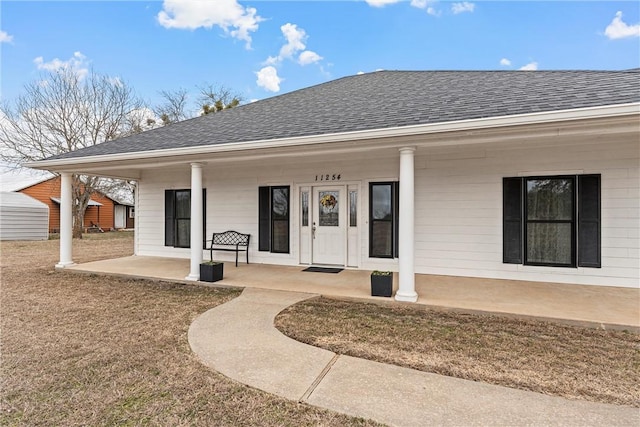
<point x="609" y="111"/>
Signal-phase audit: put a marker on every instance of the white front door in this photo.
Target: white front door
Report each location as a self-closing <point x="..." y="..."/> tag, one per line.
<point x="329" y="225"/>
<point x="120" y="216"/>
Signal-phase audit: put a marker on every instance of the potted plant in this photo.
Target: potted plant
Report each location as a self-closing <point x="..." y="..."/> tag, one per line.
<point x="211" y="271"/>
<point x="381" y="283"/>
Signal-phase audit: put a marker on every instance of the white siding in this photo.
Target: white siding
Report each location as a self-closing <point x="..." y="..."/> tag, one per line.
<point x="459" y="210"/>
<point x="458" y="205"/>
<point x="232" y="200"/>
<point x="23" y="217"/>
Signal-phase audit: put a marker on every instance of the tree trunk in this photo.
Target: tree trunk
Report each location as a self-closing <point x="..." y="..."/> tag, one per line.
<point x="81" y="197"/>
<point x="78" y="222"/>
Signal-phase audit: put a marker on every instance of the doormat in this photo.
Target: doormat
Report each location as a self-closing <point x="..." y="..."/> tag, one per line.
<point x="323" y="270"/>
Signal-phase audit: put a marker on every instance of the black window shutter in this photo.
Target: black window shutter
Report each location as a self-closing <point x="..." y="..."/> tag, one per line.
<point x="589" y="251"/>
<point x="169" y="216"/>
<point x="204" y="218"/>
<point x="395" y="197"/>
<point x="512" y="220"/>
<point x="264" y="219"/>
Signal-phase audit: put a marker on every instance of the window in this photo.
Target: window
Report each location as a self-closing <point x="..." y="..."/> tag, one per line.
<point x="177" y="217"/>
<point x="383" y="219"/>
<point x="552" y="221"/>
<point x="305" y="208"/>
<point x="273" y="219"/>
<point x="329" y="208"/>
<point x="353" y="208"/>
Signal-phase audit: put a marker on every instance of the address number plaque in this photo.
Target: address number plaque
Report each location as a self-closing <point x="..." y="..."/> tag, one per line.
<point x="329" y="177"/>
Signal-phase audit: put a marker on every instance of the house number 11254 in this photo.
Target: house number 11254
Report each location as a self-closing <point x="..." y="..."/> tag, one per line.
<point x="328" y="177"/>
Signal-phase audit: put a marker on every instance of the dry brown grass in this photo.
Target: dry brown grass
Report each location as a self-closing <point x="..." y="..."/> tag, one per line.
<point x="573" y="362"/>
<point x="95" y="350"/>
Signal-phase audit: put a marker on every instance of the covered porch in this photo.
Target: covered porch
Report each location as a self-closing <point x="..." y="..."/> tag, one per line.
<point x="595" y="306"/>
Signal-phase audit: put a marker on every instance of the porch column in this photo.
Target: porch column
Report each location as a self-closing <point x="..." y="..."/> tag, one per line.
<point x="406" y="276"/>
<point x="66" y="221"/>
<point x="196" y="221"/>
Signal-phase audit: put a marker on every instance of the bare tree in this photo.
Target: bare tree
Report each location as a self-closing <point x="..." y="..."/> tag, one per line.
<point x="173" y="107"/>
<point x="217" y="98"/>
<point x="64" y="111"/>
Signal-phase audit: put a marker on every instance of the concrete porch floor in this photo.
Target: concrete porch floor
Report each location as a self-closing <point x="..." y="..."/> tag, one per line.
<point x="599" y="306"/>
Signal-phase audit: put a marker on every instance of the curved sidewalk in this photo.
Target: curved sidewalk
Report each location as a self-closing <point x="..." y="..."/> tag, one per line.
<point x="238" y="339"/>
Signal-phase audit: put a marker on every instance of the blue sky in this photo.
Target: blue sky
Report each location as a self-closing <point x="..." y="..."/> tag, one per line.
<point x="263" y="48"/>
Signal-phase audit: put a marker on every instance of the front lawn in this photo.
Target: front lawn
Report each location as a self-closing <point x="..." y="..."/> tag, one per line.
<point x="573" y="362"/>
<point x="94" y="350"/>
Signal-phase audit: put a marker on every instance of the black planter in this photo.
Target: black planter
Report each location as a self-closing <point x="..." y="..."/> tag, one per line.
<point x="381" y="286"/>
<point x="211" y="272"/>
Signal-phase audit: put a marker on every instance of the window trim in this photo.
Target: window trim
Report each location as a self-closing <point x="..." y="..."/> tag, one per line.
<point x="578" y="258"/>
<point x="394" y="218"/>
<point x="526" y="221"/>
<point x="173" y="218"/>
<point x="266" y="221"/>
<point x="287" y="220"/>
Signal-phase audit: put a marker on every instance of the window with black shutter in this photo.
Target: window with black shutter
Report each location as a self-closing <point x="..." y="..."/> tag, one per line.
<point x="383" y="219"/>
<point x="274" y="219"/>
<point x="177" y="217"/>
<point x="552" y="220"/>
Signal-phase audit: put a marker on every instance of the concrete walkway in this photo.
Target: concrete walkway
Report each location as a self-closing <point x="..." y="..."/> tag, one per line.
<point x="238" y="339"/>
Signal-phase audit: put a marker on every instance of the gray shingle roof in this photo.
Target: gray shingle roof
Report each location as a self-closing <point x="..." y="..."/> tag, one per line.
<point x="388" y="99"/>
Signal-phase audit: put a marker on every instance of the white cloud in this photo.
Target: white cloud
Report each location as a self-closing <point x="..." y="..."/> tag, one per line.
<point x="381" y="3"/>
<point x="296" y="38"/>
<point x="296" y="41"/>
<point x="427" y="5"/>
<point x="505" y="62"/>
<point x="532" y="66"/>
<point x="618" y="29"/>
<point x="433" y="11"/>
<point x="308" y="57"/>
<point x="360" y="73"/>
<point x="463" y="7"/>
<point x="5" y="38"/>
<point x="268" y="79"/>
<point x="234" y="19"/>
<point x="78" y="63"/>
<point x="294" y="49"/>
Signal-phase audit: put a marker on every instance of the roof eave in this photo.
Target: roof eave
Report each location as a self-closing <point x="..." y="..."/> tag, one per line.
<point x="606" y="111"/>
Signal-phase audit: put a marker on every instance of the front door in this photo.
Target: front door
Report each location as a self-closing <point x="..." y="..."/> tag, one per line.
<point x="328" y="227"/>
<point x="119" y="214"/>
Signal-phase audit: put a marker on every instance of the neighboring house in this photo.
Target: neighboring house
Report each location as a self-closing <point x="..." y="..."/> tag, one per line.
<point x="103" y="212"/>
<point x="523" y="175"/>
<point x="23" y="217"/>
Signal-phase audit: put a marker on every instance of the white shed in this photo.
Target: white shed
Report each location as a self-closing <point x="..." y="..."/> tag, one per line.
<point x="23" y="217"/>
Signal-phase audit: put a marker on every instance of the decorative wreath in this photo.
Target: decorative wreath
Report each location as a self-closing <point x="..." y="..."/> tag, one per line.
<point x="328" y="201"/>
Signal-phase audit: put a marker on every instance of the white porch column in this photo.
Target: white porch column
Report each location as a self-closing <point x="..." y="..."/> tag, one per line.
<point x="406" y="276"/>
<point x="66" y="221"/>
<point x="196" y="221"/>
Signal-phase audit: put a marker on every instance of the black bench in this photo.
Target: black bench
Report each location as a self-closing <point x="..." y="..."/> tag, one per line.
<point x="231" y="241"/>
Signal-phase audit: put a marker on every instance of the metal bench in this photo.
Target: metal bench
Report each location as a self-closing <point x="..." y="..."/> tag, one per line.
<point x="230" y="241"/>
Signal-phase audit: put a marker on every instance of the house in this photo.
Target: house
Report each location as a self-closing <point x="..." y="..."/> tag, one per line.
<point x="103" y="211"/>
<point x="521" y="175"/>
<point x="23" y="217"/>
